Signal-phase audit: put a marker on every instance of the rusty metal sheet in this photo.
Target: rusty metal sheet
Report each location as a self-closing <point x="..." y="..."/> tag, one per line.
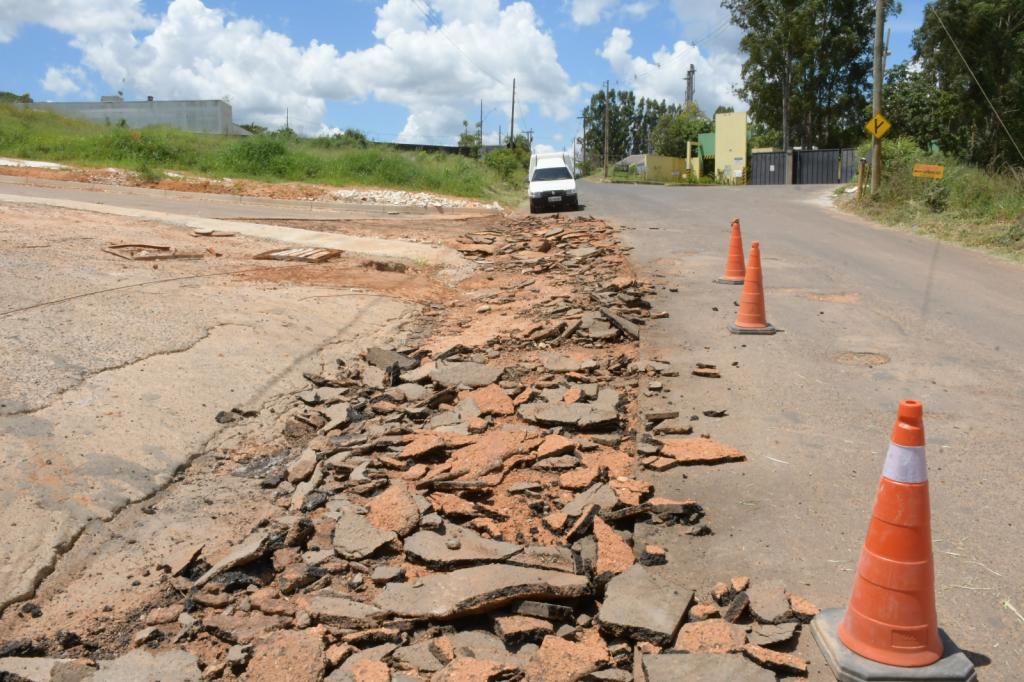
<point x="302" y="254"/>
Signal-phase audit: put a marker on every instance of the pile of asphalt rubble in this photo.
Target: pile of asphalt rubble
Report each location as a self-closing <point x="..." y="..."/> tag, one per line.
<point x="478" y="513"/>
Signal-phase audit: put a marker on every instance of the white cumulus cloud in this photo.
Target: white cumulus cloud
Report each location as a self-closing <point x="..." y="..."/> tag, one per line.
<point x="436" y="58"/>
<point x="586" y="12"/>
<point x="64" y="81"/>
<point x="661" y="76"/>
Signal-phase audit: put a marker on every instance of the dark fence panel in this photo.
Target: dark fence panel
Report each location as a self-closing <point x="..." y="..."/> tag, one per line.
<point x="848" y="171"/>
<point x="768" y="168"/>
<point x="816" y="166"/>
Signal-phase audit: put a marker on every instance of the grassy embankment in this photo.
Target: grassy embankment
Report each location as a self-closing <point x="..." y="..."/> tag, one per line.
<point x="274" y="157"/>
<point x="970" y="206"/>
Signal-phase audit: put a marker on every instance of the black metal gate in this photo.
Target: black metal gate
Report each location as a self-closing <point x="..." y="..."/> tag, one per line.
<point x="810" y="167"/>
<point x="768" y="168"/>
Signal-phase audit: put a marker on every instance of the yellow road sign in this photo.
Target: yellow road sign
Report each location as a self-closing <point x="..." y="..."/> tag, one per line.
<point x="925" y="170"/>
<point x="878" y="126"/>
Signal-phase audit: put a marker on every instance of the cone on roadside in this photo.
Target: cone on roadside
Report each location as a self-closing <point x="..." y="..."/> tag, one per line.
<point x="735" y="271"/>
<point x="751" y="317"/>
<point x="890" y="629"/>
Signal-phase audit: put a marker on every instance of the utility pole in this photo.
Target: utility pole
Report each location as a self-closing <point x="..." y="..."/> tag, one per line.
<point x="607" y="103"/>
<point x="689" y="84"/>
<point x="584" y="150"/>
<point x="512" y="126"/>
<point x="481" y="131"/>
<point x="876" y="95"/>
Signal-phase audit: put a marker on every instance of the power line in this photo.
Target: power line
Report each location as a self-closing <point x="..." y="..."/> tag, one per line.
<point x="714" y="32"/>
<point x="425" y="11"/>
<point x="977" y="82"/>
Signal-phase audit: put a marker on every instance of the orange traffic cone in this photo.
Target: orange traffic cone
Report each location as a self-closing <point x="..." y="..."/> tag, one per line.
<point x="734" y="269"/>
<point x="751" y="319"/>
<point x="890" y="630"/>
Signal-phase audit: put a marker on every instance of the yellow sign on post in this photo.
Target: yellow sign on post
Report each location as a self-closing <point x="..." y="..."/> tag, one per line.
<point x="925" y="170"/>
<point x="878" y="126"/>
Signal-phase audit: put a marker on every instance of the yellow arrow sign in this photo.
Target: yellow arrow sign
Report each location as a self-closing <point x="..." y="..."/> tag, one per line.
<point x="878" y="126"/>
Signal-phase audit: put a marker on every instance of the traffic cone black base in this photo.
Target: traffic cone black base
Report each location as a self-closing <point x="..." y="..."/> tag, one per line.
<point x="847" y="666"/>
<point x="722" y="280"/>
<point x="752" y="330"/>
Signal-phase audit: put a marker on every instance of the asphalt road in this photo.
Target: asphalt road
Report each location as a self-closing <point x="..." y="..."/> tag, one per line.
<point x="870" y="316"/>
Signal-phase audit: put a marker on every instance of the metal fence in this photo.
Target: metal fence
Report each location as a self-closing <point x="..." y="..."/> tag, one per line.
<point x="810" y="166"/>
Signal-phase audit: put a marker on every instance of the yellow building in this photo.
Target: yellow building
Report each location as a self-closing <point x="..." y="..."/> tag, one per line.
<point x="731" y="146"/>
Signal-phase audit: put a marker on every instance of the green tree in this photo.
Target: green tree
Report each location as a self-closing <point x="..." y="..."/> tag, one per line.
<point x="990" y="34"/>
<point x="10" y="97"/>
<point x="470" y="140"/>
<point x="674" y="130"/>
<point x="723" y="109"/>
<point x="631" y="124"/>
<point x="914" y="105"/>
<point x="807" y="66"/>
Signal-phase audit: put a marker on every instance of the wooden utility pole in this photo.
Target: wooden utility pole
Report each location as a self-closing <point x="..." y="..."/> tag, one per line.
<point x="512" y="126"/>
<point x="583" y="151"/>
<point x="481" y="131"/>
<point x="876" y="95"/>
<point x="607" y="104"/>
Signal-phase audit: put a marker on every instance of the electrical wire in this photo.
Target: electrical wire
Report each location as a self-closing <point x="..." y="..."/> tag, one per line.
<point x="977" y="82"/>
<point x="425" y="11"/>
<point x="714" y="32"/>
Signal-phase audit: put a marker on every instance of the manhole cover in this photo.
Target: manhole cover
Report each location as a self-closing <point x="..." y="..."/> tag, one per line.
<point x="861" y="359"/>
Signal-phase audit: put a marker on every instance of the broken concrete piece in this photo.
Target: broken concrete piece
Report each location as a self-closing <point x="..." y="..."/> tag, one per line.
<point x="385" y="359"/>
<point x="38" y="669"/>
<point x="639" y="606"/>
<point x="355" y="537"/>
<point x="139" y="665"/>
<point x="492" y="400"/>
<point x="613" y="554"/>
<point x="736" y="607"/>
<point x="559" y="660"/>
<point x="302" y="467"/>
<point x="788" y="664"/>
<point x="711" y="636"/>
<point x="288" y="654"/>
<point x="803" y="609"/>
<point x="552" y="557"/>
<point x="457" y="546"/>
<point x="333" y="609"/>
<point x="396" y="509"/>
<point x="554" y="612"/>
<point x="768" y="602"/>
<point x="583" y="416"/>
<point x="699" y="451"/>
<point x="676" y="667"/>
<point x="422" y="445"/>
<point x="516" y="630"/>
<point x="469" y="374"/>
<point x="765" y="634"/>
<point x="477" y="590"/>
<point x="555" y="445"/>
<point x="256" y="546"/>
<point x="465" y="669"/>
<point x="599" y="494"/>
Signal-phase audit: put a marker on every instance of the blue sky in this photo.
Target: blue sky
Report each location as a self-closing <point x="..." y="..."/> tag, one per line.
<point x="398" y="69"/>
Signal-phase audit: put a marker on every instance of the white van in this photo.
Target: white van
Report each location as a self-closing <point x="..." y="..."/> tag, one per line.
<point x="552" y="182"/>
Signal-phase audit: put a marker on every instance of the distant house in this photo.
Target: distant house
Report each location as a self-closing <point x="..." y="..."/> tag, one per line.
<point x="197" y="116"/>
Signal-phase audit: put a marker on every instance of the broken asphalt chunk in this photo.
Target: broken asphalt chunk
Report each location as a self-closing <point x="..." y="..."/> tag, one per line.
<point x="677" y="667"/>
<point x="699" y="451"/>
<point x="469" y="374"/>
<point x="478" y="589"/>
<point x="457" y="546"/>
<point x="639" y="606"/>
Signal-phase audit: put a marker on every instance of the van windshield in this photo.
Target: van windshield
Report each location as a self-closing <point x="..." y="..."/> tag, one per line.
<point x="556" y="173"/>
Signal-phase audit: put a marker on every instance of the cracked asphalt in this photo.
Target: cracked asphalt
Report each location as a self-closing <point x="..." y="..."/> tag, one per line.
<point x="105" y="397"/>
<point x="871" y="316"/>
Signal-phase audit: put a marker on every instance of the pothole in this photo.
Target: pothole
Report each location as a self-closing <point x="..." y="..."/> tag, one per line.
<point x="862" y="359"/>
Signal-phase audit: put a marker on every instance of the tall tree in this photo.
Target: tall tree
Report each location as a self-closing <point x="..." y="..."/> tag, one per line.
<point x="631" y="123"/>
<point x="915" y="106"/>
<point x="807" y="66"/>
<point x="990" y="35"/>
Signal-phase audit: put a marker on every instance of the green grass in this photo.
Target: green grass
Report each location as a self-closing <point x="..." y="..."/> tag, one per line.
<point x="274" y="157"/>
<point x="970" y="205"/>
